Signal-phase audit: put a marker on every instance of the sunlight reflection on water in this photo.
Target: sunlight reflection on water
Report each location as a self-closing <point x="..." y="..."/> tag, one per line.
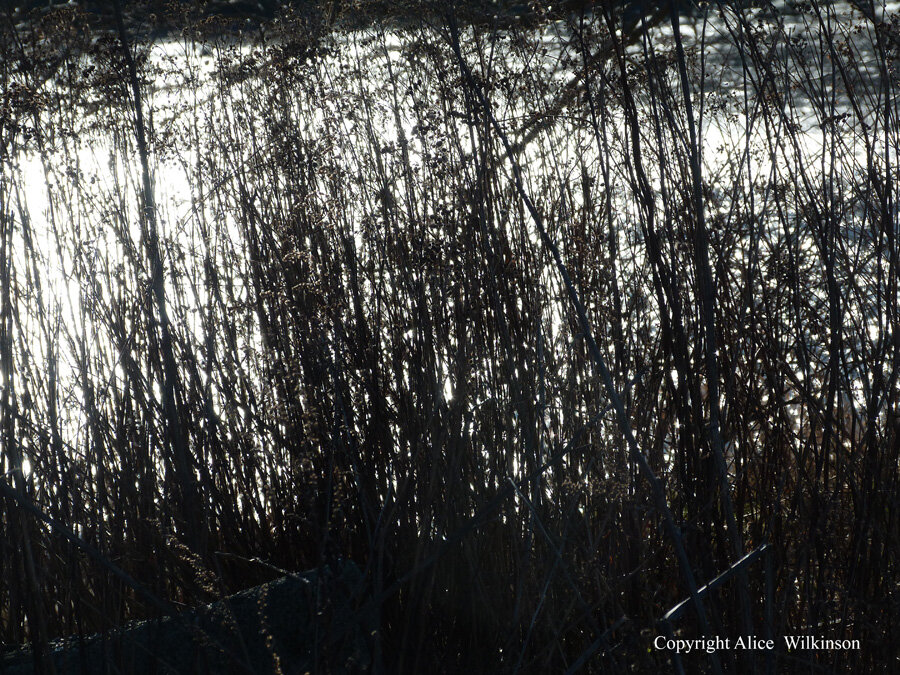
<point x="189" y="97"/>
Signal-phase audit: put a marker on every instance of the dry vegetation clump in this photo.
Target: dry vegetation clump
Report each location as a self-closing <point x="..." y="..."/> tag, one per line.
<point x="544" y="327"/>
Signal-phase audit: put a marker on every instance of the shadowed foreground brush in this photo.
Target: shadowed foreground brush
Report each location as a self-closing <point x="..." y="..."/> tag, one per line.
<point x="299" y="623"/>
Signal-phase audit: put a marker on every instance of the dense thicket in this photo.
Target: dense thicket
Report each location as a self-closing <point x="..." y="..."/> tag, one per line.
<point x="270" y="300"/>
